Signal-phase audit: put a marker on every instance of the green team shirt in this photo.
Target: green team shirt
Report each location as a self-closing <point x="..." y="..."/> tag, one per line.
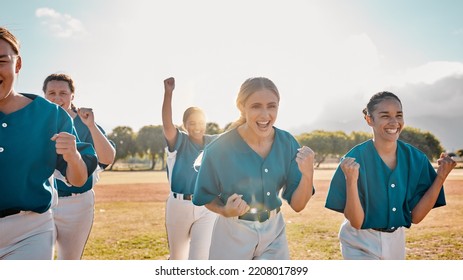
<point x="387" y="196"/>
<point x="230" y="166"/>
<point x="184" y="173"/>
<point x="28" y="155"/>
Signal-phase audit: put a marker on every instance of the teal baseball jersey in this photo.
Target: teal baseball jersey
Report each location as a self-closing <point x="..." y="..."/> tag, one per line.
<point x="183" y="173"/>
<point x="229" y="166"/>
<point x="387" y="196"/>
<point x="28" y="156"/>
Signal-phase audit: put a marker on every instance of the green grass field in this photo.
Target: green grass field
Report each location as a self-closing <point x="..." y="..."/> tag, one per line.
<point x="130" y="208"/>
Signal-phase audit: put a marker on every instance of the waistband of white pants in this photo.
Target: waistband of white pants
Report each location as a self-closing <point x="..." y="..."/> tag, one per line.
<point x="182" y="196"/>
<point x="259" y="216"/>
<point x="12" y="212"/>
<point x="66" y="194"/>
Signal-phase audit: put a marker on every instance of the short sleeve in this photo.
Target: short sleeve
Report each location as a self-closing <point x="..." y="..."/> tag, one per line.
<point x="207" y="186"/>
<point x="294" y="175"/>
<point x="102" y="165"/>
<point x="336" y="197"/>
<point x="426" y="178"/>
<point x="178" y="141"/>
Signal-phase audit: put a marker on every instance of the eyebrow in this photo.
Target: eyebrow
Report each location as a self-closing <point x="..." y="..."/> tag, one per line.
<point x="386" y="112"/>
<point x="261" y="103"/>
<point x="5" y="55"/>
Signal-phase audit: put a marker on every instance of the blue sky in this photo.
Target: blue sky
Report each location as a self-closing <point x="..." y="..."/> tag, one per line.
<point x="326" y="57"/>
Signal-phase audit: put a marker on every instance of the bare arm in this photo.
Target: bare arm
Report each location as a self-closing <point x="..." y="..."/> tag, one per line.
<point x="76" y="171"/>
<point x="353" y="210"/>
<point x="426" y="203"/>
<point x="104" y="150"/>
<point x="170" y="131"/>
<point x="235" y="206"/>
<point x="303" y="193"/>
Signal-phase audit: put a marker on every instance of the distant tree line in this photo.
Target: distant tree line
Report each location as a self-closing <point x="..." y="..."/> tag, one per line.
<point x="149" y="142"/>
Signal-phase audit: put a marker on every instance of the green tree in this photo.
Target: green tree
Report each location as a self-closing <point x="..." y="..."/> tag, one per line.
<point x="123" y="137"/>
<point x="425" y="141"/>
<point x="150" y="141"/>
<point x="213" y="128"/>
<point x="357" y="137"/>
<point x="325" y="143"/>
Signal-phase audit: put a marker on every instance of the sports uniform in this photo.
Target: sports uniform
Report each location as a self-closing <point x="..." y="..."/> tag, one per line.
<point x="75" y="210"/>
<point x="387" y="197"/>
<point x="189" y="227"/>
<point x="229" y="166"/>
<point x="28" y="159"/>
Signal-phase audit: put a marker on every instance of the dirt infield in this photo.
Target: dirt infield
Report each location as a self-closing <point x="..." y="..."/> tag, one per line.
<point x="153" y="186"/>
<point x="158" y="192"/>
<point x="140" y="192"/>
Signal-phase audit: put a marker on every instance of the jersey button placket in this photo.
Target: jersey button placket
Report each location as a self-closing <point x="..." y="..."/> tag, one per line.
<point x="266" y="171"/>
<point x="4" y="125"/>
<point x="393" y="208"/>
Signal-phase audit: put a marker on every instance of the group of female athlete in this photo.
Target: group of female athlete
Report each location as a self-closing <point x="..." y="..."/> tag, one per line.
<point x="226" y="190"/>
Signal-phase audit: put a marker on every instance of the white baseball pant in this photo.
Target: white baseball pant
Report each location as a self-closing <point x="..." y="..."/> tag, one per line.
<point x="27" y="236"/>
<point x="189" y="229"/>
<point x="73" y="222"/>
<point x="235" y="239"/>
<point x="369" y="244"/>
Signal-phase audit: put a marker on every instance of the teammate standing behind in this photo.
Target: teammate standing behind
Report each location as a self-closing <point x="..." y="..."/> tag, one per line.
<point x="189" y="227"/>
<point x="384" y="185"/>
<point x="242" y="174"/>
<point x="75" y="211"/>
<point x="37" y="139"/>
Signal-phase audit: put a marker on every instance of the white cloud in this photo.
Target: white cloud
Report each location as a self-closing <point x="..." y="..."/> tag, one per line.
<point x="428" y="73"/>
<point x="61" y="25"/>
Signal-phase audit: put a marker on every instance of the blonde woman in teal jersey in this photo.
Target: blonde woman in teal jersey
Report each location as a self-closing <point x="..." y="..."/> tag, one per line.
<point x="244" y="171"/>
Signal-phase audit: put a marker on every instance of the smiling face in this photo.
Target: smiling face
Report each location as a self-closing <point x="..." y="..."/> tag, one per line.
<point x="10" y="64"/>
<point x="195" y="125"/>
<point x="260" y="111"/>
<point x="59" y="93"/>
<point x="386" y="120"/>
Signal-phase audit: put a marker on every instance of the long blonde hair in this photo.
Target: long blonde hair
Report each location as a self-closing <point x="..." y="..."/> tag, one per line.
<point x="250" y="86"/>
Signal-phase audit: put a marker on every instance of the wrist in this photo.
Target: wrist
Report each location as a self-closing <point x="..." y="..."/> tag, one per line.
<point x="92" y="126"/>
<point x="73" y="159"/>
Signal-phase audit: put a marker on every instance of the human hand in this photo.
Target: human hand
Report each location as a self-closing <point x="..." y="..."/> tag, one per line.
<point x="169" y="85"/>
<point x="66" y="146"/>
<point x="350" y="168"/>
<point x="87" y="116"/>
<point x="305" y="160"/>
<point x="235" y="206"/>
<point x="446" y="164"/>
